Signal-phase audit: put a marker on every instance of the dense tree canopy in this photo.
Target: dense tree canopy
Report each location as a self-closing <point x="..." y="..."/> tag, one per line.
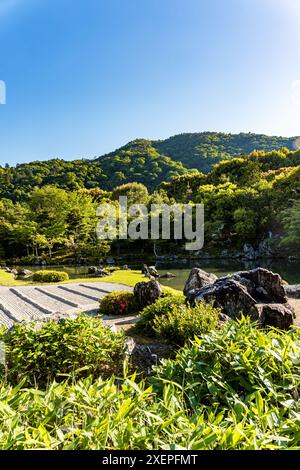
<point x="147" y="162"/>
<point x="50" y="207"/>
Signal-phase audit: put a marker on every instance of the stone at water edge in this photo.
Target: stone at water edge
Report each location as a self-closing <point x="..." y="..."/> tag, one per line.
<point x="263" y="285"/>
<point x="167" y="276"/>
<point x="24" y="274"/>
<point x="92" y="269"/>
<point x="257" y="293"/>
<point x="293" y="291"/>
<point x="153" y="271"/>
<point x="197" y="280"/>
<point x="146" y="293"/>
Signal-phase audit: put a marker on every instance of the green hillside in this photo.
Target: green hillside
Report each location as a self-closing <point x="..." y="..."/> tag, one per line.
<point x="202" y="150"/>
<point x="144" y="161"/>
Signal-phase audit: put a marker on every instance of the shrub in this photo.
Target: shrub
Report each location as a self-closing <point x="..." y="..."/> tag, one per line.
<point x="118" y="303"/>
<point x="184" y="322"/>
<point x="74" y="347"/>
<point x="233" y="366"/>
<point x="167" y="303"/>
<point x="235" y="388"/>
<point x="50" y="276"/>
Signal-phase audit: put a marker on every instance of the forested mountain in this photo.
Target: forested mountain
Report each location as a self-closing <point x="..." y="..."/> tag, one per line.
<point x="202" y="150"/>
<point x="143" y="161"/>
<point x="248" y="200"/>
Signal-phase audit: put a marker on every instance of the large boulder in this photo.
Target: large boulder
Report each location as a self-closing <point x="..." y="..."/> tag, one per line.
<point x="146" y="293"/>
<point x="197" y="280"/>
<point x="257" y="293"/>
<point x="277" y="315"/>
<point x="231" y="296"/>
<point x="263" y="284"/>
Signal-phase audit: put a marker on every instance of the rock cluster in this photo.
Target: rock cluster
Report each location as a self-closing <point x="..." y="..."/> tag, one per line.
<point x="258" y="293"/>
<point x="97" y="272"/>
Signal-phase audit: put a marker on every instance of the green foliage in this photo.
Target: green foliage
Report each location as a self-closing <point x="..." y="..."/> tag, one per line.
<point x="55" y="202"/>
<point x="232" y="389"/>
<point x="230" y="367"/>
<point x="71" y="347"/>
<point x="143" y="161"/>
<point x="167" y="303"/>
<point x="50" y="276"/>
<point x="183" y="322"/>
<point x="136" y="193"/>
<point x="118" y="303"/>
<point x="202" y="150"/>
<point x="291" y="223"/>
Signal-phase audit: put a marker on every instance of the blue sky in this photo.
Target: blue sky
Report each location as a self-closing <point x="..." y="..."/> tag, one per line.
<point x="84" y="77"/>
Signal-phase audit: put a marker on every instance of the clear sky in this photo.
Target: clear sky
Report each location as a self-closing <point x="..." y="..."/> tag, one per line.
<point x="84" y="77"/>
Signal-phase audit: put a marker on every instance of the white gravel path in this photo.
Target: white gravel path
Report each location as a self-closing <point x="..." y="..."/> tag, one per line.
<point x="26" y="303"/>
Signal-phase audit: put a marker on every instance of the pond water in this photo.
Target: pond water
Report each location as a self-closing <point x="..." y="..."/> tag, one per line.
<point x="289" y="271"/>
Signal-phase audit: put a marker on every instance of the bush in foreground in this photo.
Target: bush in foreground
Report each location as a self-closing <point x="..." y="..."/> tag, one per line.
<point x="235" y="388"/>
<point x="236" y="366"/>
<point x="118" y="303"/>
<point x="183" y="322"/>
<point x="166" y="304"/>
<point x="73" y="347"/>
<point x="50" y="276"/>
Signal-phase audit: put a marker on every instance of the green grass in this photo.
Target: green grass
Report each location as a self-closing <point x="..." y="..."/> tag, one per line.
<point x="127" y="278"/>
<point x="7" y="280"/>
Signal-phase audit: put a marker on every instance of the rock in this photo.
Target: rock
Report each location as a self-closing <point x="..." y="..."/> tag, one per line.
<point x="198" y="279"/>
<point x="167" y="276"/>
<point x="97" y="272"/>
<point x="277" y="315"/>
<point x="125" y="267"/>
<point x="229" y="295"/>
<point x="146" y="293"/>
<point x="24" y="274"/>
<point x="110" y="261"/>
<point x="149" y="271"/>
<point x="143" y="356"/>
<point x="101" y="273"/>
<point x="249" y="252"/>
<point x="264" y="248"/>
<point x="92" y="269"/>
<point x="292" y="291"/>
<point x="14" y="272"/>
<point x="263" y="284"/>
<point x="145" y="269"/>
<point x="153" y="271"/>
<point x="257" y="293"/>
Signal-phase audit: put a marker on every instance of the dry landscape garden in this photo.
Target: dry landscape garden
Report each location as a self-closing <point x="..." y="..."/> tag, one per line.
<point x="101" y="349"/>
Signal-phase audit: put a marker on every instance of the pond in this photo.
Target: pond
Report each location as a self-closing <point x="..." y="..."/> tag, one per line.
<point x="289" y="271"/>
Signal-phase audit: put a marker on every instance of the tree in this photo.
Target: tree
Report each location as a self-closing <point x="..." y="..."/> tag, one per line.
<point x="291" y="224"/>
